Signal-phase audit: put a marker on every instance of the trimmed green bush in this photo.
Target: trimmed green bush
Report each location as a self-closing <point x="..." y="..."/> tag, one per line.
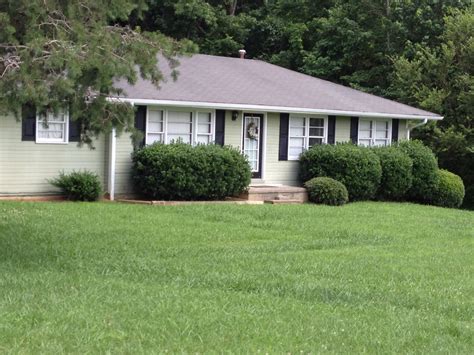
<point x="180" y="171"/>
<point x="396" y="173"/>
<point x="358" y="168"/>
<point x="327" y="191"/>
<point x="79" y="185"/>
<point x="449" y="191"/>
<point x="425" y="167"/>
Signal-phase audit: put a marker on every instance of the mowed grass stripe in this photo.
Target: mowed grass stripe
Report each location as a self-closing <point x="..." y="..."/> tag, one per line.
<point x="375" y="277"/>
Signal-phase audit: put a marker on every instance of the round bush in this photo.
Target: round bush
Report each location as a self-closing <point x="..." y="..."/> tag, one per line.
<point x="180" y="171"/>
<point x="449" y="191"/>
<point x="424" y="170"/>
<point x="396" y="173"/>
<point x="358" y="168"/>
<point x="327" y="191"/>
<point x="79" y="185"/>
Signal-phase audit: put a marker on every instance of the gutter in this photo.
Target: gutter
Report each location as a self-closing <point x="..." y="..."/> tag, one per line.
<point x="425" y="121"/>
<point x="264" y="108"/>
<point x="112" y="159"/>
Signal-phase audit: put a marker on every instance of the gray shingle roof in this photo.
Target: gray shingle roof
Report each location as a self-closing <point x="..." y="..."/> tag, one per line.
<point x="233" y="81"/>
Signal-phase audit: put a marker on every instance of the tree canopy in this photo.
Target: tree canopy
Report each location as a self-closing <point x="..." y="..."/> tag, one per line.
<point x="415" y="51"/>
<point x="54" y="52"/>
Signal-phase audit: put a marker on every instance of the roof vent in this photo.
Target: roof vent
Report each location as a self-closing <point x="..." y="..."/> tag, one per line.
<point x="242" y="53"/>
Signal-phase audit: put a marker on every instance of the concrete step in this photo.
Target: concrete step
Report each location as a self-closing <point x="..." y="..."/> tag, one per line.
<point x="284" y="202"/>
<point x="275" y="192"/>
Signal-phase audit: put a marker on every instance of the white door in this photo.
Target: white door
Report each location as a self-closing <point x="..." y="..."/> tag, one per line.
<point x="252" y="142"/>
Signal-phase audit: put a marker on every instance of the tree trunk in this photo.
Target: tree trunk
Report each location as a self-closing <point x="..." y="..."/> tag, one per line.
<point x="232" y="7"/>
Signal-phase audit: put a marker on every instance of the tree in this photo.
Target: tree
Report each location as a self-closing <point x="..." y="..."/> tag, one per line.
<point x="54" y="52"/>
<point x="441" y="79"/>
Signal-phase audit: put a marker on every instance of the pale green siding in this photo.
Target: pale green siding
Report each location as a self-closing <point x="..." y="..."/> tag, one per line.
<point x="26" y="166"/>
<point x="277" y="172"/>
<point x="233" y="130"/>
<point x="403" y="130"/>
<point x="123" y="165"/>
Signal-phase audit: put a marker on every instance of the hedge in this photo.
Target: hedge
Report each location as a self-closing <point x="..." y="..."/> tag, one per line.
<point x="356" y="167"/>
<point x="425" y="170"/>
<point x="180" y="171"/>
<point x="397" y="175"/>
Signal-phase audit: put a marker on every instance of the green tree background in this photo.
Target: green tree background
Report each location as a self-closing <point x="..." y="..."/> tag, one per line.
<point x="420" y="52"/>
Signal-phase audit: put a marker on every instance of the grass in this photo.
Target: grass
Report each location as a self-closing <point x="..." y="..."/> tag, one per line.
<point x="367" y="277"/>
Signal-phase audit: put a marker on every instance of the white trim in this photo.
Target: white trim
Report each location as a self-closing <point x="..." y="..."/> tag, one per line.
<point x="250" y="115"/>
<point x="265" y="108"/>
<point x="374" y="131"/>
<point x="194" y="122"/>
<point x="65" y="139"/>
<point x="306" y="128"/>
<point x="409" y="129"/>
<point x="146" y="124"/>
<point x="112" y="161"/>
<point x="264" y="145"/>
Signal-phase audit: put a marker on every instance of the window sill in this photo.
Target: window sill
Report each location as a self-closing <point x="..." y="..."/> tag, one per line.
<point x="49" y="142"/>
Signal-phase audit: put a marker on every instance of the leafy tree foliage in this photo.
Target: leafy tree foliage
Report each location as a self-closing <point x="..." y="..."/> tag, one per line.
<point x="441" y="79"/>
<point x="53" y="51"/>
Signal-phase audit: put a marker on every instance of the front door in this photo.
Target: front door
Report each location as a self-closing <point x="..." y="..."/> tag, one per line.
<point x="252" y="142"/>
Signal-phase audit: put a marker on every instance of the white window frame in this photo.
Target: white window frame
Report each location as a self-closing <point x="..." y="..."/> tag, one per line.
<point x="194" y="123"/>
<point x="306" y="136"/>
<point x="211" y="135"/>
<point x="147" y="131"/>
<point x="373" y="132"/>
<point x="64" y="140"/>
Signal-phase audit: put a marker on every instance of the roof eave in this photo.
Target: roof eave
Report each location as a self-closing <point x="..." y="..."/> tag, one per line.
<point x="264" y="108"/>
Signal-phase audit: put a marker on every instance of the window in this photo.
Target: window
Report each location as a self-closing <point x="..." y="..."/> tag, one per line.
<point x="155" y="126"/>
<point x="167" y="126"/>
<point x="304" y="133"/>
<point x="180" y="126"/>
<point x="374" y="133"/>
<point x="52" y="127"/>
<point x="204" y="128"/>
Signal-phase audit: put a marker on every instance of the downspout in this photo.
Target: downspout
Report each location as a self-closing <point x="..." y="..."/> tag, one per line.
<point x="112" y="159"/>
<point x="425" y="121"/>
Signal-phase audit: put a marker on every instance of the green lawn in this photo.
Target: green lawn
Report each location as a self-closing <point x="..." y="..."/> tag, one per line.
<point x="373" y="277"/>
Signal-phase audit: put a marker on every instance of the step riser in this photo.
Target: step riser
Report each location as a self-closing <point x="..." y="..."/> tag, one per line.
<point x="303" y="197"/>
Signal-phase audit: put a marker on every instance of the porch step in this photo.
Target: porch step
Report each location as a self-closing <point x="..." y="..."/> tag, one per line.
<point x="284" y="202"/>
<point x="275" y="193"/>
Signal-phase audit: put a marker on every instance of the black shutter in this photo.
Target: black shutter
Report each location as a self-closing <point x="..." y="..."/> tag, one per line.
<point x="332" y="130"/>
<point x="284" y="128"/>
<point x="74" y="128"/>
<point x="28" y="123"/>
<point x="395" y="127"/>
<point x="220" y="127"/>
<point x="140" y="121"/>
<point x="354" y="129"/>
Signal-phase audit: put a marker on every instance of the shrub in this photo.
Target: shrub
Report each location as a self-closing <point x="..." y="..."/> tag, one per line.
<point x="180" y="171"/>
<point x="356" y="167"/>
<point x="396" y="173"/>
<point x="424" y="170"/>
<point x="79" y="185"/>
<point x="327" y="191"/>
<point x="449" y="191"/>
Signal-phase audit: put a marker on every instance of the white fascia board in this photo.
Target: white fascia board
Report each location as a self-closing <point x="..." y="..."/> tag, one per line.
<point x="262" y="108"/>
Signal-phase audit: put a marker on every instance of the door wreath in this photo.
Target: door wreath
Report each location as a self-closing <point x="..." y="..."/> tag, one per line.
<point x="252" y="130"/>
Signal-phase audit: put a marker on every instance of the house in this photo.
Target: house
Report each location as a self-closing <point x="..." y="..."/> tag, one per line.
<point x="270" y="113"/>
